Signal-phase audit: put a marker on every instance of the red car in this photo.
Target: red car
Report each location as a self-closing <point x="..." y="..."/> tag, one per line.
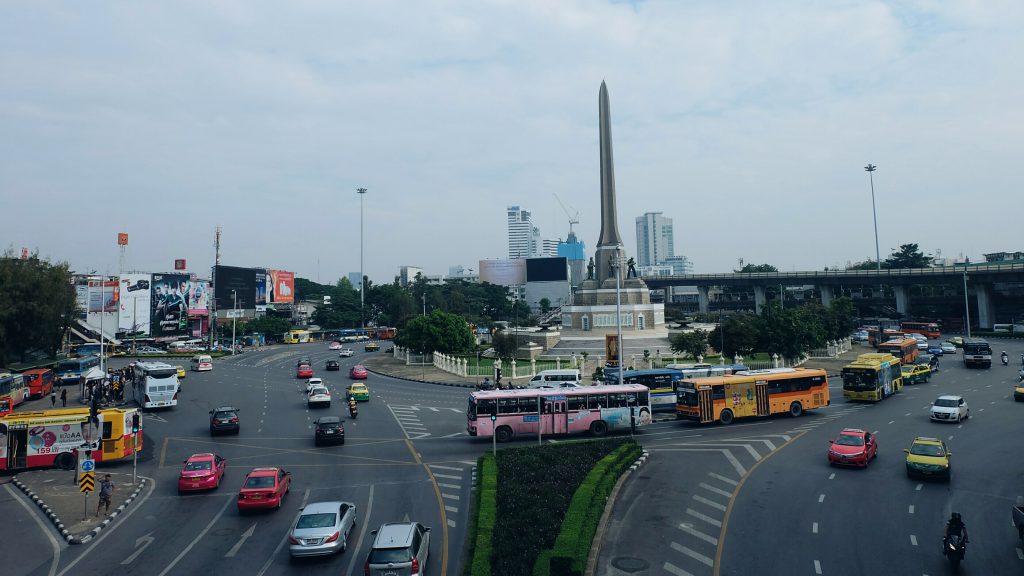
<point x="358" y="372"/>
<point x="201" y="472"/>
<point x="304" y="371"/>
<point x="264" y="488"/>
<point x="853" y="447"/>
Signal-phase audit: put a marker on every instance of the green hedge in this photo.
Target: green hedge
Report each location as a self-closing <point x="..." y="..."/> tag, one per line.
<point x="487" y="512"/>
<point x="572" y="546"/>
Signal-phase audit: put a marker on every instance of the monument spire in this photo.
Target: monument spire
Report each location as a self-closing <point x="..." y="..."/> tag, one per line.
<point x="609" y="243"/>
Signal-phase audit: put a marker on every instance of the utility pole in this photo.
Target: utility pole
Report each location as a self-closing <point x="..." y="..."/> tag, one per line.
<point x="234" y="319"/>
<point x="362" y="282"/>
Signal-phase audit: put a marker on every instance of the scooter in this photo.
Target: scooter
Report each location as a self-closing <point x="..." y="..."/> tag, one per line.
<point x="954" y="550"/>
<point x="1006" y="360"/>
<point x="353" y="412"/>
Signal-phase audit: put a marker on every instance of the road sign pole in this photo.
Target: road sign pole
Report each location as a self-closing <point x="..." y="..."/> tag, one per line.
<point x="540" y="421"/>
<point x="135" y="455"/>
<point x="494" y="435"/>
<point x="85" y="502"/>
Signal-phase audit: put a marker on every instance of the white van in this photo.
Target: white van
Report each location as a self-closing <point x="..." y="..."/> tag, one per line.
<point x="202" y="363"/>
<point x="179" y="346"/>
<point x="556" y="379"/>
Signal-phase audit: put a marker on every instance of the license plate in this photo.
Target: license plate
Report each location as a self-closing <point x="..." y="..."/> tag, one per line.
<point x="257" y="497"/>
<point x="390" y="573"/>
<point x="328" y="431"/>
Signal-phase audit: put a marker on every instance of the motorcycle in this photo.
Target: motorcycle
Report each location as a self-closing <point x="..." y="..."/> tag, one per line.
<point x="1020" y="376"/>
<point x="955" y="548"/>
<point x="353" y="411"/>
<point x="1006" y="360"/>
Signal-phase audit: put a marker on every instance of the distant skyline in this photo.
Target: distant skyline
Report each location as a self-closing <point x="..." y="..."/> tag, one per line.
<point x="166" y="120"/>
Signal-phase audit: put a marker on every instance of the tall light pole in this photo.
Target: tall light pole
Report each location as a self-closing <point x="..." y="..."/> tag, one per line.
<point x="618" y="310"/>
<point x="874" y="214"/>
<point x="362" y="297"/>
<point x="967" y="308"/>
<point x="234" y="319"/>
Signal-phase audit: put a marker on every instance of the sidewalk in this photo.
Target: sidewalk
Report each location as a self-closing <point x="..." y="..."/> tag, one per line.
<point x="70" y="511"/>
<point x="387" y="365"/>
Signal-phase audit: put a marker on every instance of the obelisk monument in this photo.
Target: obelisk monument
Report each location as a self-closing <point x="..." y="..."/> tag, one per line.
<point x="609" y="243"/>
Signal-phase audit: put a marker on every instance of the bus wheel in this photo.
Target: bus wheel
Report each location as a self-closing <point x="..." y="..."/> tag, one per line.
<point x="504" y="434"/>
<point x="598" y="428"/>
<point x="726" y="417"/>
<point x="796" y="409"/>
<point x="65" y="461"/>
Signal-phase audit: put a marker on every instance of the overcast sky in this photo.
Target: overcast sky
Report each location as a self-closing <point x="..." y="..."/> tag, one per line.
<point x="748" y="123"/>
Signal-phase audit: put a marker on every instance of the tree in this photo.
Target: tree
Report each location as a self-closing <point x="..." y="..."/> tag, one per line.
<point x="753" y="268"/>
<point x="266" y="325"/>
<point x="741" y="335"/>
<point x="868" y="264"/>
<point x="545" y="305"/>
<point x="694" y="343"/>
<point x="438" y="331"/>
<point x="840" y="319"/>
<point x="908" y="256"/>
<point x="37" y="306"/>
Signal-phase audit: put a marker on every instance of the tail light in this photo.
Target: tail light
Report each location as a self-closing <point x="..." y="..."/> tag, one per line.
<point x="241" y="496"/>
<point x="333" y="537"/>
<point x="415" y="566"/>
<point x="234" y="420"/>
<point x="366" y="567"/>
<point x="292" y="540"/>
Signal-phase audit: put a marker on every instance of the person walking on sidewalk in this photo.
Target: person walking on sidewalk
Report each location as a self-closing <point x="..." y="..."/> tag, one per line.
<point x="106" y="491"/>
<point x="53" y="398"/>
<point x="63" y="397"/>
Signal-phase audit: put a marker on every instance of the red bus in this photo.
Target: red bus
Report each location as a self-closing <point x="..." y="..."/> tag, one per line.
<point x="905" y="349"/>
<point x="53" y="437"/>
<point x="926" y="329"/>
<point x="40" y="382"/>
<point x="12" y="392"/>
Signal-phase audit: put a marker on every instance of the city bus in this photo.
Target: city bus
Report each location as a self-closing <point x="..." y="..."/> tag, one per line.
<point x="39" y="381"/>
<point x="872" y="377"/>
<point x="296" y="337"/>
<point x="70" y="370"/>
<point x="904" y="348"/>
<point x="12" y="392"/>
<point x="156" y="385"/>
<point x="877" y="336"/>
<point x="752" y="393"/>
<point x="977" y="352"/>
<point x="662" y="381"/>
<point x="521" y="412"/>
<point x="926" y="329"/>
<point x="90" y="349"/>
<point x="53" y="437"/>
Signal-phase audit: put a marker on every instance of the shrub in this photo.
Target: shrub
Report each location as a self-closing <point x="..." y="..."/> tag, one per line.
<point x="486" y="514"/>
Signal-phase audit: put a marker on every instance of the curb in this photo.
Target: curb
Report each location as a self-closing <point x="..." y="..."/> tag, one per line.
<point x="59" y="524"/>
<point x="454" y="384"/>
<point x="602" y="526"/>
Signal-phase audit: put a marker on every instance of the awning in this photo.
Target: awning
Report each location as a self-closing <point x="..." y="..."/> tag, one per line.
<point x="95" y="373"/>
<point x="94" y="330"/>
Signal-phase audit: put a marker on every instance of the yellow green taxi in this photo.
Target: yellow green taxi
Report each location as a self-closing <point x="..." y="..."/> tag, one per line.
<point x="1018" y="392"/>
<point x="957" y="341"/>
<point x="181" y="371"/>
<point x="371" y="347"/>
<point x="358" y="391"/>
<point x="928" y="457"/>
<point x="916" y="373"/>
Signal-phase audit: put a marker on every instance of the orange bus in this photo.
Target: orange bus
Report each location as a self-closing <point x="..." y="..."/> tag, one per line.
<point x="54" y="437"/>
<point x="40" y="382"/>
<point x="751" y="393"/>
<point x="926" y="329"/>
<point x="905" y="349"/>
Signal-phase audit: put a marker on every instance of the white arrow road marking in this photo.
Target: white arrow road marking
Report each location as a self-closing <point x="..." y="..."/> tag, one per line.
<point x="141" y="543"/>
<point x="238" y="546"/>
<point x="199" y="537"/>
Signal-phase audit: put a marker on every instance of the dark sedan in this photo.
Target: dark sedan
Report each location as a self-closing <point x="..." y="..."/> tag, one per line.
<point x="224" y="419"/>
<point x="332" y="365"/>
<point x="329" y="430"/>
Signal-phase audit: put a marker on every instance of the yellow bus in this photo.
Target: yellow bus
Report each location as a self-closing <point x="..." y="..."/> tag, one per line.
<point x="296" y="336"/>
<point x="904" y="348"/>
<point x="751" y="393"/>
<point x="872" y="377"/>
<point x="54" y="437"/>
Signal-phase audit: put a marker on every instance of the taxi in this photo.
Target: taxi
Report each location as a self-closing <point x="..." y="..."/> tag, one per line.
<point x="928" y="457"/>
<point x="201" y="472"/>
<point x="264" y="488"/>
<point x="181" y="371"/>
<point x="853" y="447"/>
<point x="358" y="391"/>
<point x="1018" y="392"/>
<point x="304" y="371"/>
<point x="371" y="347"/>
<point x="916" y="373"/>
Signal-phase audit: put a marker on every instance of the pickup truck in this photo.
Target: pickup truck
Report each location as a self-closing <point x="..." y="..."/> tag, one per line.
<point x="1018" y="520"/>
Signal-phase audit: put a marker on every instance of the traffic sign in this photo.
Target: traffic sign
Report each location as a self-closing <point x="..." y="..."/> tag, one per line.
<point x="88" y="465"/>
<point x="87" y="482"/>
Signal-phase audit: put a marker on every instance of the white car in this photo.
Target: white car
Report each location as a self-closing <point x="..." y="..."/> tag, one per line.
<point x="319" y="396"/>
<point x="313" y="383"/>
<point x="949" y="408"/>
<point x="346" y="352"/>
<point x="948" y="348"/>
<point x="334" y="345"/>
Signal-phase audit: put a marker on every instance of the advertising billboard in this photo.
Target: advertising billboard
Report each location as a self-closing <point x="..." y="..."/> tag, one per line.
<point x="135" y="304"/>
<point x="551" y="269"/>
<point x="169" y="305"/>
<point x="281" y="289"/>
<point x="261" y="290"/>
<point x="503" y="272"/>
<point x="103" y="305"/>
<point x="240" y="280"/>
<point x="198" y="297"/>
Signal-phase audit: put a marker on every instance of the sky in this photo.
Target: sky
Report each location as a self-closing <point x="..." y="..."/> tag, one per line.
<point x="747" y="123"/>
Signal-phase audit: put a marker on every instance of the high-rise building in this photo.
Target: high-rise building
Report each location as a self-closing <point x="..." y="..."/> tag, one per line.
<point x="679" y="264"/>
<point x="654" y="240"/>
<point x="353" y="277"/>
<point x="549" y="247"/>
<point x="520" y="233"/>
<point x="576" y="253"/>
<point x="407" y="275"/>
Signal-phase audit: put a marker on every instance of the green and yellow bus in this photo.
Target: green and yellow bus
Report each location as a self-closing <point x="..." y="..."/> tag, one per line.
<point x="872" y="377"/>
<point x="296" y="337"/>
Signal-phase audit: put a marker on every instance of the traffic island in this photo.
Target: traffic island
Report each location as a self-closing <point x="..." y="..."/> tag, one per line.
<point x="57" y="494"/>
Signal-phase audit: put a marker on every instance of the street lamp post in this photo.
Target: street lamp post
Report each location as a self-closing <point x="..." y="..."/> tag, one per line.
<point x="234" y="318"/>
<point x="618" y="310"/>
<point x="967" y="308"/>
<point x="362" y="297"/>
<point x="874" y="214"/>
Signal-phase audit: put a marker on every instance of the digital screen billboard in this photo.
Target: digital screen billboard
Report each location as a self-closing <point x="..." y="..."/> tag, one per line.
<point x="169" y="305"/>
<point x="261" y="289"/>
<point x="103" y="305"/>
<point x="551" y="269"/>
<point x="135" y="303"/>
<point x="198" y="297"/>
<point x="281" y="287"/>
<point x="241" y="280"/>
<point x="503" y="272"/>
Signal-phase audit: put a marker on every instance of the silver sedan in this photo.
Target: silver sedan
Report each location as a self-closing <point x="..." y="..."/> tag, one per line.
<point x="323" y="528"/>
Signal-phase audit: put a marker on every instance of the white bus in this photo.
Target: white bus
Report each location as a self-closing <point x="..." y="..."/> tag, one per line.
<point x="156" y="385"/>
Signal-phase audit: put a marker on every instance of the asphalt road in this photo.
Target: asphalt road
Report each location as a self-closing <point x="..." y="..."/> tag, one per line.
<point x="405" y="457"/>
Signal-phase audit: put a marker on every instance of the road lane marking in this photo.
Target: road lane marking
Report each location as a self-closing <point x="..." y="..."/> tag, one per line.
<point x="698" y="534"/>
<point x="440" y="505"/>
<point x="821" y="498"/>
<point x="455" y="486"/>
<point x="267" y="564"/>
<point x="362" y="533"/>
<point x="704" y="517"/>
<point x="832" y="476"/>
<point x="673" y="569"/>
<point x="451" y="508"/>
<point x="918" y="487"/>
<point x="723" y="478"/>
<point x="913" y="540"/>
<point x="238" y="546"/>
<point x="440" y="467"/>
<point x="910" y="510"/>
<point x="725" y="452"/>
<point x="1020" y="554"/>
<point x="53" y="541"/>
<point x="817" y="567"/>
<point x="891" y="421"/>
<point x="719" y="491"/>
<point x="228" y="500"/>
<point x="693" y="554"/>
<point x="449" y="476"/>
<point x="450" y="496"/>
<point x="711" y="503"/>
<point x="814" y="528"/>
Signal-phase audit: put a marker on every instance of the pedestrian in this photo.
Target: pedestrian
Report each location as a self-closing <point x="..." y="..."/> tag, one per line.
<point x="106" y="491"/>
<point x="63" y="397"/>
<point x="53" y="398"/>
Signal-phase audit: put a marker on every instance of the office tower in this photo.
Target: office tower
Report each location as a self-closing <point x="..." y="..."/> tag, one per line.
<point x="353" y="278"/>
<point x="654" y="241"/>
<point x="520" y="233"/>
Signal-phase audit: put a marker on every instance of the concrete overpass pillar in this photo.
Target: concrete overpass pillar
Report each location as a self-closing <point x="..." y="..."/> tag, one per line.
<point x="902" y="300"/>
<point x="759" y="299"/>
<point x="986" y="309"/>
<point x="703" y="302"/>
<point x="826" y="295"/>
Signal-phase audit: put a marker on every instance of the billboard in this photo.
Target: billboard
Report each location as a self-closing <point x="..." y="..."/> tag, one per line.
<point x="503" y="272"/>
<point x="135" y="303"/>
<point x="169" y="305"/>
<point x="240" y="280"/>
<point x="281" y="288"/>
<point x="261" y="290"/>
<point x="551" y="269"/>
<point x="198" y="297"/>
<point x="103" y="305"/>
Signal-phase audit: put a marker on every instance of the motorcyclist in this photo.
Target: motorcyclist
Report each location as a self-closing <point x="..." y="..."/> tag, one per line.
<point x="486" y="384"/>
<point x="934" y="363"/>
<point x="352" y="405"/>
<point x="955" y="526"/>
<point x="1005" y="358"/>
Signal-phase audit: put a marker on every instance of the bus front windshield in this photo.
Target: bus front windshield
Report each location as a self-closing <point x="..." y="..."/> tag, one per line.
<point x="163" y="373"/>
<point x="859" y="379"/>
<point x="686" y="396"/>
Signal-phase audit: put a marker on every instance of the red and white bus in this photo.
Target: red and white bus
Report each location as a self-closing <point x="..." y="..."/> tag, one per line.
<point x="13" y="391"/>
<point x="40" y="382"/>
<point x="594" y="409"/>
<point x="52" y="437"/>
<point x="926" y="329"/>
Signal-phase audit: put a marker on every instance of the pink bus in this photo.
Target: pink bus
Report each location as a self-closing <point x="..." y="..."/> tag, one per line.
<point x="594" y="409"/>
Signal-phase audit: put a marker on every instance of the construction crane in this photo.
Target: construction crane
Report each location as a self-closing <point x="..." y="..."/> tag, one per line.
<point x="572" y="219"/>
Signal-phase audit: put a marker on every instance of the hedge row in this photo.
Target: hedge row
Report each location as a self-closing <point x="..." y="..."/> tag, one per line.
<point x="572" y="546"/>
<point x="487" y="512"/>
